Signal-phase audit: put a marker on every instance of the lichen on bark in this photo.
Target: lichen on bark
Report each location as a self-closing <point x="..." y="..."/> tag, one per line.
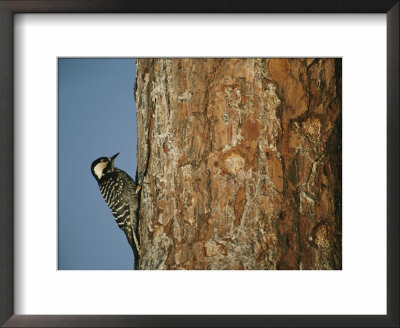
<point x="241" y="163"/>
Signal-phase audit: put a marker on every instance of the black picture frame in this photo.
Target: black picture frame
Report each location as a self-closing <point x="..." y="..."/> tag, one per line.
<point x="7" y="11"/>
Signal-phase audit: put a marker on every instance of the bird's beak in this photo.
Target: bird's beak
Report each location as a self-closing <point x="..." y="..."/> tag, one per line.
<point x="113" y="157"/>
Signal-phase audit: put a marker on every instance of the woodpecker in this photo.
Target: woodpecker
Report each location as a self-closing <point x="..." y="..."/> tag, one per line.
<point x="121" y="194"/>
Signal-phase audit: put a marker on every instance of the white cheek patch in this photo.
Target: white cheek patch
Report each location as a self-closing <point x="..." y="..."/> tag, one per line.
<point x="98" y="169"/>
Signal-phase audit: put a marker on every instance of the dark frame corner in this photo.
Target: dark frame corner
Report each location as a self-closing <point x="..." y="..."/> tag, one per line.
<point x="7" y="10"/>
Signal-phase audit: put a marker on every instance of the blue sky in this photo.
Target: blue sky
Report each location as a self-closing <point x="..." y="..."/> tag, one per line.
<point x="96" y="117"/>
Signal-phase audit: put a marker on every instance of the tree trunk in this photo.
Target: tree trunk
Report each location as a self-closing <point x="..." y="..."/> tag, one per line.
<point x="241" y="163"/>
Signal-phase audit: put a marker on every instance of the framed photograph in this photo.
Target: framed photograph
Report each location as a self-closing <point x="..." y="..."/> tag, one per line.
<point x="199" y="165"/>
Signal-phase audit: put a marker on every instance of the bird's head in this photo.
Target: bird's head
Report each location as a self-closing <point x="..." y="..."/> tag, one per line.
<point x="103" y="166"/>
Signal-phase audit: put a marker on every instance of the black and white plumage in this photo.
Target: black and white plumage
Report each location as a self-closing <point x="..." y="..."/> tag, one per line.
<point x="121" y="194"/>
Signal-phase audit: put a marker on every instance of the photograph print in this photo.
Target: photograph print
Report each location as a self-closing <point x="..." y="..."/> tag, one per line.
<point x="199" y="163"/>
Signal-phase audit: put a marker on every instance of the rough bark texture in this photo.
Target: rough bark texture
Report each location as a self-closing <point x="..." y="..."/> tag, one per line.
<point x="241" y="161"/>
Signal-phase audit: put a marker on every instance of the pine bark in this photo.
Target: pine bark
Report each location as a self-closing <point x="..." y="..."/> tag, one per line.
<point x="241" y="163"/>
